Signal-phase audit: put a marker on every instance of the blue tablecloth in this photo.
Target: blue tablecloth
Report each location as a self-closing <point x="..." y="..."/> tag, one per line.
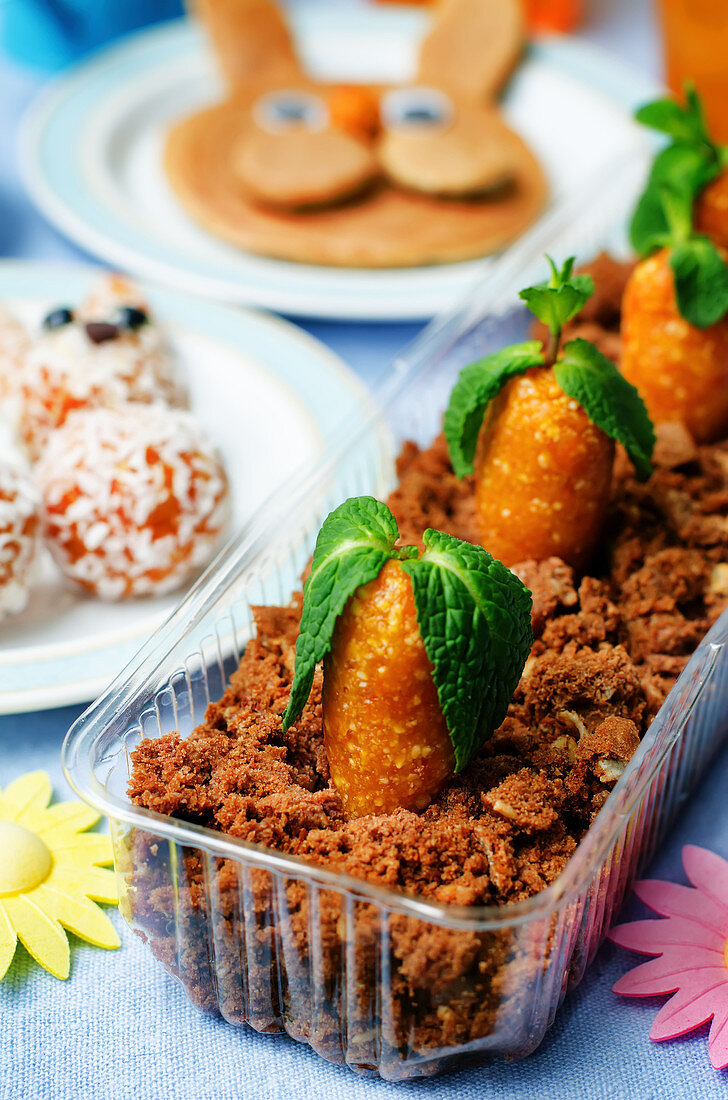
<point x="121" y="1028"/>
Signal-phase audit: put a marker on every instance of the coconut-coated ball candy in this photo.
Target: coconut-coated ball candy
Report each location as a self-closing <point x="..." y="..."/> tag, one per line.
<point x="135" y="499"/>
<point x="384" y="732"/>
<point x="70" y="367"/>
<point x="14" y="347"/>
<point x="19" y="530"/>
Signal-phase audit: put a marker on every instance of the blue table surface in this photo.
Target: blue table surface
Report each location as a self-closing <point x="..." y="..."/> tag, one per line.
<point x="122" y="1028"/>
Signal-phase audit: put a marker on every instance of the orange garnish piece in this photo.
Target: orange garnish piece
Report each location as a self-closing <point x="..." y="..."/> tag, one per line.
<point x="542" y="474"/>
<point x="384" y="732"/>
<point x="355" y="109"/>
<point x="711" y="211"/>
<point x="680" y="370"/>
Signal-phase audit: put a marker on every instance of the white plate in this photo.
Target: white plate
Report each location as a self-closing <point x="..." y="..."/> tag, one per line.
<point x="269" y="395"/>
<point x="91" y="155"/>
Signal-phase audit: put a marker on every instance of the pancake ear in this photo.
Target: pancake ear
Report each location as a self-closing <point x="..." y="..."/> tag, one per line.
<point x="473" y="46"/>
<point x="252" y="41"/>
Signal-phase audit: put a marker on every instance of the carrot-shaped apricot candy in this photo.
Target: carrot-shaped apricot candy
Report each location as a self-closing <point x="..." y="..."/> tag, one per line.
<point x="421" y="653"/>
<point x="674" y="323"/>
<point x="679" y="367"/>
<point x="692" y="163"/>
<point x="537" y="427"/>
<point x="711" y="210"/>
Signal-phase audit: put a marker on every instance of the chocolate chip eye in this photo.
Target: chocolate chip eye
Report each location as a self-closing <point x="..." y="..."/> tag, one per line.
<point x="416" y="108"/>
<point x="131" y="318"/>
<point x="280" y="111"/>
<point x="57" y="318"/>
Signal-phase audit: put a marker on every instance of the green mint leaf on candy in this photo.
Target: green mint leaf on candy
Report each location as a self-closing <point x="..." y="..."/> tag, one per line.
<point x="355" y="541"/>
<point x="648" y="229"/>
<point x="685" y="166"/>
<point x="701" y="281"/>
<point x="561" y="298"/>
<point x="476" y="387"/>
<point x="474" y="616"/>
<point x="664" y="212"/>
<point x="662" y="217"/>
<point x="475" y="621"/>
<point x="683" y="123"/>
<point x="609" y="400"/>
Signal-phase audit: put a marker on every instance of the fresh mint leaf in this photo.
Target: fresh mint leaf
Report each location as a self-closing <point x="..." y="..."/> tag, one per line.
<point x="685" y="166"/>
<point x="561" y="298"/>
<point x="475" y="388"/>
<point x="701" y="281"/>
<point x="684" y="123"/>
<point x="648" y="229"/>
<point x="663" y="217"/>
<point x="690" y="162"/>
<point x="475" y="620"/>
<point x="354" y="542"/>
<point x="609" y="400"/>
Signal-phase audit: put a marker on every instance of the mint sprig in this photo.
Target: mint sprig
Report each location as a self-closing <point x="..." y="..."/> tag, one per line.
<point x="475" y="620"/>
<point x="686" y="165"/>
<point x="609" y="400"/>
<point x="474" y="616"/>
<point x="352" y="546"/>
<point x="582" y="372"/>
<point x="701" y="281"/>
<point x="554" y="303"/>
<point x="684" y="122"/>
<point x="663" y="217"/>
<point x="475" y="388"/>
<point x="561" y="298"/>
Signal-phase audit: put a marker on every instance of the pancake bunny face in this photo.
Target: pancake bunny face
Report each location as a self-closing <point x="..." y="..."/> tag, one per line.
<point x="360" y="175"/>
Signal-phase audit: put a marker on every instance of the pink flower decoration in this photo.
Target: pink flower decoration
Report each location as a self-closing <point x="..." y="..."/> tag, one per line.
<point x="692" y="950"/>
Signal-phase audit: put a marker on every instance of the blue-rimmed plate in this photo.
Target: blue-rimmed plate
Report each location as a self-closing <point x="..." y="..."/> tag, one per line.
<point x="269" y="395"/>
<point x="92" y="144"/>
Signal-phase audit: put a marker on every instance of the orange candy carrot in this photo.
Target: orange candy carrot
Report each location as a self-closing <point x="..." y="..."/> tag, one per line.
<point x="711" y="210"/>
<point x="422" y="650"/>
<point x="542" y="474"/>
<point x="680" y="370"/>
<point x="537" y="424"/>
<point x="384" y="732"/>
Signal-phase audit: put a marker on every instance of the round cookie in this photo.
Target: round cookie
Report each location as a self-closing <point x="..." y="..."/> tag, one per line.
<point x="390" y="227"/>
<point x="321" y="174"/>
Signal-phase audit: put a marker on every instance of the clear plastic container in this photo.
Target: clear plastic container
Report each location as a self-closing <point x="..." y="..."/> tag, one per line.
<point x="268" y="940"/>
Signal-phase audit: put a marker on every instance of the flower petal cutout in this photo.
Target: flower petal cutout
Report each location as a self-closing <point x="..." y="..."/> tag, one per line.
<point x="667" y="974"/>
<point x="42" y="937"/>
<point x="691" y="945"/>
<point x="707" y="872"/>
<point x="80" y="916"/>
<point x="651" y="937"/>
<point x="672" y="900"/>
<point x="691" y="1006"/>
<point x="718" y="1038"/>
<point x="31" y="792"/>
<point x="8" y="942"/>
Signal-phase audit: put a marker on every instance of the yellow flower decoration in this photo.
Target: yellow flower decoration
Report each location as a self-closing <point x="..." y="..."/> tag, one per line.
<point x="49" y="869"/>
